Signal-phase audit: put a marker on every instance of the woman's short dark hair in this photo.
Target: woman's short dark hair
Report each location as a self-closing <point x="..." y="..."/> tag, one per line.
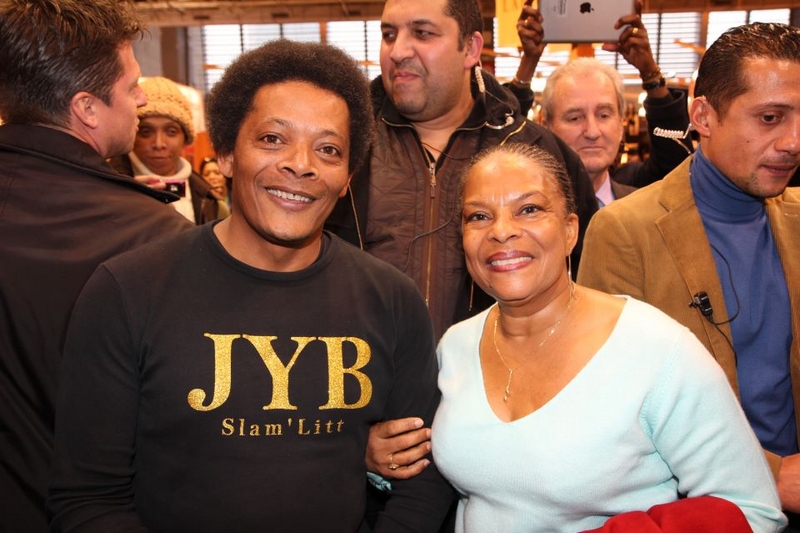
<point x="325" y="66"/>
<point x="51" y="50"/>
<point x="721" y="75"/>
<point x="537" y="156"/>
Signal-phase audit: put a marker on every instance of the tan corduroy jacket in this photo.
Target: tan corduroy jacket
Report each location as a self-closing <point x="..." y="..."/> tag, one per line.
<point x="651" y="245"/>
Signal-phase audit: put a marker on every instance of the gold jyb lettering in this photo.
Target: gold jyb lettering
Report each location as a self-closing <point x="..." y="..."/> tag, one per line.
<point x="337" y="371"/>
<point x="280" y="373"/>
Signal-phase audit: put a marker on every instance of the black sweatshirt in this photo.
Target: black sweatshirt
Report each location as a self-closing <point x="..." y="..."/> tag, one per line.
<point x="201" y="394"/>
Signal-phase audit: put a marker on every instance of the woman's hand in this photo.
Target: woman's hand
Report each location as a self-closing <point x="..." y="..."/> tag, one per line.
<point x="397" y="449"/>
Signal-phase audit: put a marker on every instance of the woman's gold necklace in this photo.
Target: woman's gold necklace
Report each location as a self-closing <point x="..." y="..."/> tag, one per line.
<point x="549" y="334"/>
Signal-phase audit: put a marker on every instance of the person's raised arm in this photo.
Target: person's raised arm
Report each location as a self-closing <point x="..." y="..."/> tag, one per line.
<point x="531" y="34"/>
<point x="665" y="109"/>
<point x="634" y="46"/>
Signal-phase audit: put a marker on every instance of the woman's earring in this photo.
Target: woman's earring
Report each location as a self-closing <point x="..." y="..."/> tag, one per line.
<point x="471" y="293"/>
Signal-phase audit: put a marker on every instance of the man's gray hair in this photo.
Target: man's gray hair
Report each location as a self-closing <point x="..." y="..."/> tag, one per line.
<point x="582" y="66"/>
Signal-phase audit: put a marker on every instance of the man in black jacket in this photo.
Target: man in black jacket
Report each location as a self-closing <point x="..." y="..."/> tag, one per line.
<point x="435" y="109"/>
<point x="68" y="96"/>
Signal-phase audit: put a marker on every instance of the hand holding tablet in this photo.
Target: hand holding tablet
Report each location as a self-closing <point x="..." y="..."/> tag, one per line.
<point x="582" y="21"/>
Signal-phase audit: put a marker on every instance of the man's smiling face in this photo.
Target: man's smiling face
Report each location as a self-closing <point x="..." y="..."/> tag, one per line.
<point x="289" y="166"/>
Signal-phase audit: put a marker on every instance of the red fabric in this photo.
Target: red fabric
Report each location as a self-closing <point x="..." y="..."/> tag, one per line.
<point x="704" y="514"/>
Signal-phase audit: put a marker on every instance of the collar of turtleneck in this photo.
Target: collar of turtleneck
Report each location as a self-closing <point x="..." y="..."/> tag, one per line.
<point x="717" y="196"/>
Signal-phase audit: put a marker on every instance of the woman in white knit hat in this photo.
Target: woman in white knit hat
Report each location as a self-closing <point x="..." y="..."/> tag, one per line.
<point x="165" y="129"/>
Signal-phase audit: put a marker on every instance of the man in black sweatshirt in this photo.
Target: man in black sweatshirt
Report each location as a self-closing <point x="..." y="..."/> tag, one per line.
<point x="226" y="379"/>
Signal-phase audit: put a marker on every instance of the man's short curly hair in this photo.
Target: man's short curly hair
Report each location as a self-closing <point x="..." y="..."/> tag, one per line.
<point x="325" y="66"/>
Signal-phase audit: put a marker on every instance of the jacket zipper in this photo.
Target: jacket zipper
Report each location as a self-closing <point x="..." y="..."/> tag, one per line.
<point x="431" y="222"/>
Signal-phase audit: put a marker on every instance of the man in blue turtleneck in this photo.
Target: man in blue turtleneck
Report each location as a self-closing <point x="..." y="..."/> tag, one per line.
<point x="716" y="244"/>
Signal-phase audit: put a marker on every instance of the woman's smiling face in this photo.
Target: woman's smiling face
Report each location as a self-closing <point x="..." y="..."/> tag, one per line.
<point x="516" y="228"/>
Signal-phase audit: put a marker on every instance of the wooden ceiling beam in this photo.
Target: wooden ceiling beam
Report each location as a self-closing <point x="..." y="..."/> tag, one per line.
<point x="200" y="12"/>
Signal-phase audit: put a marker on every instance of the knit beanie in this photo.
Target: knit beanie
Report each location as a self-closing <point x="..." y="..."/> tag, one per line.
<point x="165" y="99"/>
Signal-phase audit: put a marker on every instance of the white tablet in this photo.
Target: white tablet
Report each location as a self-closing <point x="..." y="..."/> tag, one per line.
<point x="583" y="21"/>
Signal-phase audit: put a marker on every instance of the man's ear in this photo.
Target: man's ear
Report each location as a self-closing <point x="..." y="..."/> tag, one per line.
<point x="225" y="164"/>
<point x="83" y="106"/>
<point x="540" y="118"/>
<point x="346" y="187"/>
<point x="474" y="47"/>
<point x="700" y="112"/>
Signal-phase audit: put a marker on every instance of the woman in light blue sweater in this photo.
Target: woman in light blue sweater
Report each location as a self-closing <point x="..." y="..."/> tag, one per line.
<point x="563" y="406"/>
